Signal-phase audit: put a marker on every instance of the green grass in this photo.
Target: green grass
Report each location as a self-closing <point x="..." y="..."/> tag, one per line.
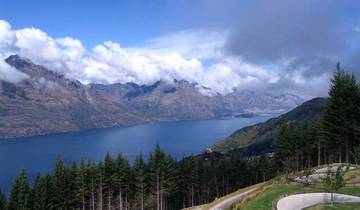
<point x="335" y="207"/>
<point x="350" y="191"/>
<point x="265" y="200"/>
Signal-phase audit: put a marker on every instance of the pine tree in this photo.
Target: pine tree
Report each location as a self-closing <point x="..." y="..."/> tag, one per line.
<point x="356" y="124"/>
<point x="341" y="113"/>
<point x="155" y="166"/>
<point x="82" y="182"/>
<point x="284" y="145"/>
<point x="71" y="188"/>
<point x="120" y="179"/>
<point x="140" y="181"/>
<point x="20" y="193"/>
<point x="308" y="144"/>
<point x="319" y="141"/>
<point x="109" y="176"/>
<point x="162" y="176"/>
<point x="2" y="200"/>
<point x="99" y="177"/>
<point x="94" y="176"/>
<point x="41" y="193"/>
<point x="264" y="166"/>
<point x="59" y="186"/>
<point x="189" y="179"/>
<point x="237" y="172"/>
<point x="356" y="154"/>
<point x="169" y="183"/>
<point x="290" y="147"/>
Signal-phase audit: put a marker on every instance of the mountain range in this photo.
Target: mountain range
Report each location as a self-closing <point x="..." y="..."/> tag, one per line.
<point x="47" y="102"/>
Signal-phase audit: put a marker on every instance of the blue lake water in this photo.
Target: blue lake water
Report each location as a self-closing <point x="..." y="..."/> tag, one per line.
<point x="37" y="154"/>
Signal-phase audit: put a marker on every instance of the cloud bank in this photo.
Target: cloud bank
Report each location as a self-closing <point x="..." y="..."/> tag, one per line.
<point x="194" y="55"/>
<point x="282" y="46"/>
<point x="303" y="40"/>
<point x="273" y="30"/>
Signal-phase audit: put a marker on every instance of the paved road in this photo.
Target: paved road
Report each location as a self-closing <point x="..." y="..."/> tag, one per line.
<point x="231" y="200"/>
<point x="301" y="201"/>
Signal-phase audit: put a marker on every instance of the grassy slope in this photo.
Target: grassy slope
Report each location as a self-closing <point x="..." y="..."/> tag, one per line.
<point x="268" y="131"/>
<point x="264" y="199"/>
<point x="270" y="191"/>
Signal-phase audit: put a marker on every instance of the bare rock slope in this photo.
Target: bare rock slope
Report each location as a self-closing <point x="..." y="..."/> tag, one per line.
<point x="48" y="102"/>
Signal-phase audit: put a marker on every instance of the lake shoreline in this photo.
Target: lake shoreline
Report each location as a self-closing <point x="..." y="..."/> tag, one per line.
<point x="142" y="123"/>
<point x="36" y="154"/>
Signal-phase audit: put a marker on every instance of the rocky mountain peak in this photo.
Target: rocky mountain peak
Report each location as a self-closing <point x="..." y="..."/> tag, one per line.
<point x="33" y="70"/>
<point x="40" y="74"/>
<point x="18" y="62"/>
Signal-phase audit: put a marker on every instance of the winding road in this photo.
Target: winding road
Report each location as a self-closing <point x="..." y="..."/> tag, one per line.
<point x="231" y="200"/>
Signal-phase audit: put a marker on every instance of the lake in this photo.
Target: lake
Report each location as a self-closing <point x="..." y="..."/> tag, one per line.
<point x="180" y="138"/>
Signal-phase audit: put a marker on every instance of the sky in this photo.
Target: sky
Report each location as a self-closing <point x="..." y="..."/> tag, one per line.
<point x="280" y="46"/>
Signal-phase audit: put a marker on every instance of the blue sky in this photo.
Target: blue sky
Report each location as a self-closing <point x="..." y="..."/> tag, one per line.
<point x="131" y="22"/>
<point x="91" y="21"/>
<point x="286" y="46"/>
<point x="128" y="22"/>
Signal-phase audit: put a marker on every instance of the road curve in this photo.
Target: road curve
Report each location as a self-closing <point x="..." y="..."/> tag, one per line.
<point x="301" y="201"/>
<point x="231" y="200"/>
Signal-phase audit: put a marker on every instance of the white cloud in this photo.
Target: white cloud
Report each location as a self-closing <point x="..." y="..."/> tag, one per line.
<point x="193" y="55"/>
<point x="199" y="44"/>
<point x="35" y="43"/>
<point x="141" y="66"/>
<point x="233" y="73"/>
<point x="7" y="40"/>
<point x="7" y="37"/>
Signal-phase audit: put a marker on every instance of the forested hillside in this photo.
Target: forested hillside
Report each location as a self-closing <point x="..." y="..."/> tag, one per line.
<point x="335" y="137"/>
<point x="266" y="133"/>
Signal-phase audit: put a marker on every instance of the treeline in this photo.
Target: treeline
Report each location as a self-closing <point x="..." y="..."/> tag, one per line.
<point x="160" y="182"/>
<point x="334" y="137"/>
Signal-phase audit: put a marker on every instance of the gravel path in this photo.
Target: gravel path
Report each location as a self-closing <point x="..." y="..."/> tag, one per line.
<point x="300" y="201"/>
<point x="233" y="199"/>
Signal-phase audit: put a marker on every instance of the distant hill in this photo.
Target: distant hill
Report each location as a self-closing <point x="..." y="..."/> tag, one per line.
<point x="47" y="102"/>
<point x="181" y="99"/>
<point x="262" y="136"/>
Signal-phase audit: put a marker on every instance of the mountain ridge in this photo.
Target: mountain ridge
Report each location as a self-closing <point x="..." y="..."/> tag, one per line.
<point x="47" y="102"/>
<point x="262" y="136"/>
